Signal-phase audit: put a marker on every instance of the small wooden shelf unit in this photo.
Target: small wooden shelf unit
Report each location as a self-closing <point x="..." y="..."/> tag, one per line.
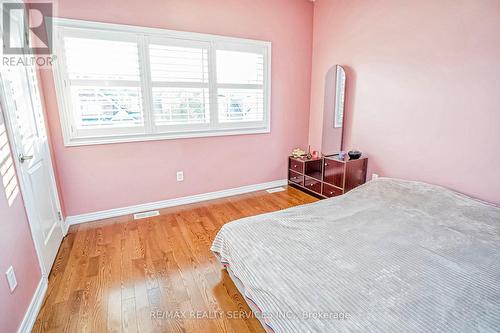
<point x="326" y="177"/>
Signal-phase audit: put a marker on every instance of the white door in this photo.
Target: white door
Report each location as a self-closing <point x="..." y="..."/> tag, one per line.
<point x="21" y="102"/>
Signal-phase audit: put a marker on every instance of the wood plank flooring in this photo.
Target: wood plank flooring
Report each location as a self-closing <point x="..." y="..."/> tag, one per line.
<point x="153" y="275"/>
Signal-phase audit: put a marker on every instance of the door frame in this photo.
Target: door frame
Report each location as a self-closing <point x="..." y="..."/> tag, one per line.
<point x="8" y="120"/>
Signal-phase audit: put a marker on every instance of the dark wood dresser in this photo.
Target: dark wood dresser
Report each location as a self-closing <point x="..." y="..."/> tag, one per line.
<point x="326" y="177"/>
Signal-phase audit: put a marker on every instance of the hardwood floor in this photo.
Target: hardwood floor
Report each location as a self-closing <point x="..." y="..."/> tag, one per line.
<point x="153" y="275"/>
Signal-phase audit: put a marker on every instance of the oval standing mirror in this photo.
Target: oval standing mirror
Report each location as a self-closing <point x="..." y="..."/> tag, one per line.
<point x="333" y="111"/>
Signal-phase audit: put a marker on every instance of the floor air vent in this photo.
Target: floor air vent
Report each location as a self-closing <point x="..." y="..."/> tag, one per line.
<point x="144" y="215"/>
<point x="276" y="189"/>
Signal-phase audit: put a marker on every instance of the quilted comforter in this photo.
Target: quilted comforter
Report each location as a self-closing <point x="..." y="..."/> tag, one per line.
<point x="388" y="256"/>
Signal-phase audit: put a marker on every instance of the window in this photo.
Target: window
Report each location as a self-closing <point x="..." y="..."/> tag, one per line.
<point x="180" y="85"/>
<point x="120" y="83"/>
<point x="240" y="86"/>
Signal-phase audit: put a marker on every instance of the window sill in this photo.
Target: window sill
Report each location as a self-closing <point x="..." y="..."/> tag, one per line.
<point x="90" y="141"/>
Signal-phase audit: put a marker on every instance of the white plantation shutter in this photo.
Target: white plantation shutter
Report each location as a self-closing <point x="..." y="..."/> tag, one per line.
<point x="121" y="83"/>
<point x="240" y="86"/>
<point x="180" y="85"/>
<point x="101" y="59"/>
<point x="240" y="67"/>
<point x="103" y="106"/>
<point x="174" y="106"/>
<point x="170" y="63"/>
<point x="104" y="84"/>
<point x="240" y="105"/>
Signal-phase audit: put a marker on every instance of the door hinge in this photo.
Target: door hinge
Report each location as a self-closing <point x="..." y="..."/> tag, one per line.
<point x="59" y="215"/>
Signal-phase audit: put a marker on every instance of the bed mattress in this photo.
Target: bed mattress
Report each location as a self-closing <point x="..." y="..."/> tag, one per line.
<point x="388" y="256"/>
<point x="254" y="307"/>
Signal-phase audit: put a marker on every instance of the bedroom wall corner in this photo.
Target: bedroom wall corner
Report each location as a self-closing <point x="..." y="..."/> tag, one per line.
<point x="16" y="244"/>
<point x="126" y="174"/>
<point x="422" y="87"/>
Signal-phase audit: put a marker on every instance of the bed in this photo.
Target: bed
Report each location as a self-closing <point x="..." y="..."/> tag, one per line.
<point x="388" y="256"/>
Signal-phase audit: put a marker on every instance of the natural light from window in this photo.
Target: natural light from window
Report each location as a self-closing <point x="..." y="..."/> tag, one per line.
<point x="106" y="89"/>
<point x="123" y="83"/>
<point x="240" y="77"/>
<point x="7" y="171"/>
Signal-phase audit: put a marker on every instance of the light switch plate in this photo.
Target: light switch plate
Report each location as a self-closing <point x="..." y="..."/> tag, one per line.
<point x="11" y="278"/>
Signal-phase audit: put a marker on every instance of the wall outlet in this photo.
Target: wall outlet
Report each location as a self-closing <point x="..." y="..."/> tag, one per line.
<point x="11" y="278"/>
<point x="180" y="176"/>
<point x="374" y="176"/>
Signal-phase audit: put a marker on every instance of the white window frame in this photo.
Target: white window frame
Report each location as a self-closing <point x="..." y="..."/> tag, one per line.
<point x="150" y="131"/>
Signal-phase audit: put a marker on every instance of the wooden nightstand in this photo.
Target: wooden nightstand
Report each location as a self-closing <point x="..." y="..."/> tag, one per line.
<point x="326" y="177"/>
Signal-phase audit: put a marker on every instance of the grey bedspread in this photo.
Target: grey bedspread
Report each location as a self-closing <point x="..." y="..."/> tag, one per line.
<point x="389" y="256"/>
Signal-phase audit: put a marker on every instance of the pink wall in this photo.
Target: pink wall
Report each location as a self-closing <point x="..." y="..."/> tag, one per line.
<point x="423" y="82"/>
<point x="16" y="245"/>
<point x="101" y="177"/>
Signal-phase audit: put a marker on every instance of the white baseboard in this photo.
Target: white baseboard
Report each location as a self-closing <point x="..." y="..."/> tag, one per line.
<point x="65" y="226"/>
<point x="105" y="214"/>
<point x="34" y="307"/>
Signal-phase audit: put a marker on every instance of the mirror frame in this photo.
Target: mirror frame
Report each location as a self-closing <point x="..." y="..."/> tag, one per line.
<point x="338" y="116"/>
<point x="332" y="140"/>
